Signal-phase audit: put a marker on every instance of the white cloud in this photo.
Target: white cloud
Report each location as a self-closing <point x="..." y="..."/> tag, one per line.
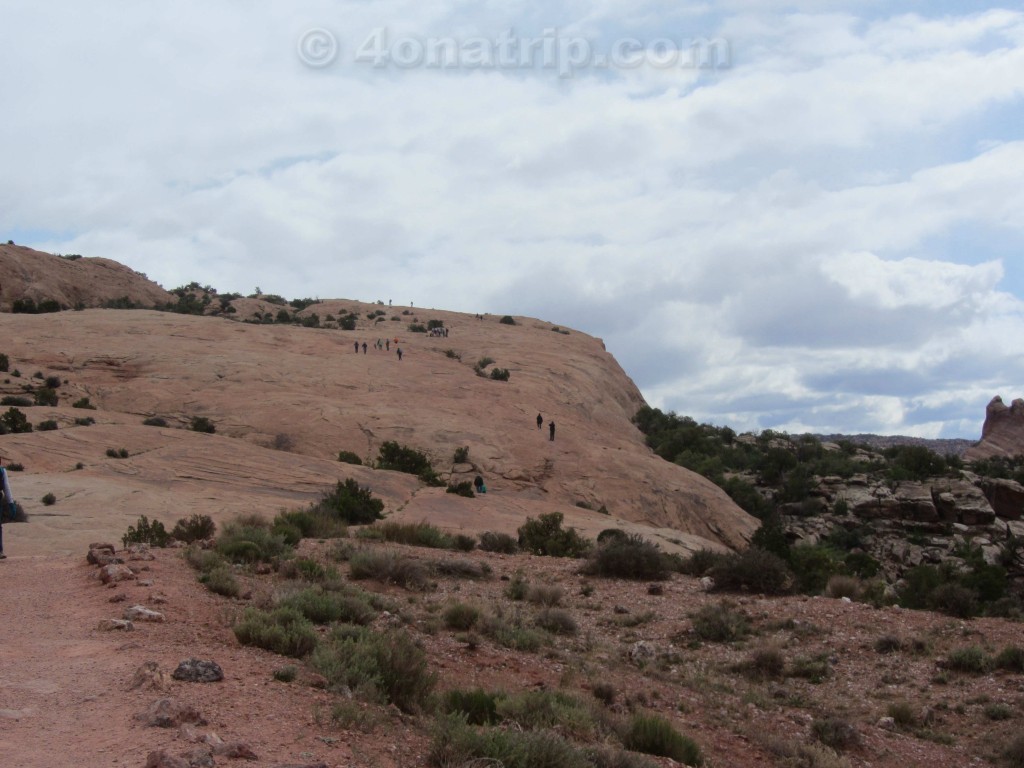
<point x="752" y="242"/>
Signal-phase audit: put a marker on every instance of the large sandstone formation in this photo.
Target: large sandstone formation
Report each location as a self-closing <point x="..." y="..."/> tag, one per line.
<point x="71" y="281"/>
<point x="1003" y="432"/>
<point x="286" y="399"/>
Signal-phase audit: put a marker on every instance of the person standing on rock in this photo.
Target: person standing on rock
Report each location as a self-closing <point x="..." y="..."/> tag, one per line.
<point x="551" y="430"/>
<point x="540" y="421"/>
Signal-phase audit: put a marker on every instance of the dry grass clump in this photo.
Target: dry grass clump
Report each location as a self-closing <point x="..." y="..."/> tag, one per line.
<point x="389" y="568"/>
<point x="544" y="594"/>
<point x="839" y="586"/>
<point x="722" y="623"/>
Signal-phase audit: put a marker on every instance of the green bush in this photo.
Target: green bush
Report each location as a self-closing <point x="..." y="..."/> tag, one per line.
<point x="500" y="374"/>
<point x="507" y="320"/>
<point x="46" y="396"/>
<point x="49" y="499"/>
<point x="557" y="621"/>
<point x="386" y="666"/>
<point x="628" y="557"/>
<point x="88" y="421"/>
<point x="456" y="744"/>
<point x="903" y="714"/>
<point x="465" y="488"/>
<point x="545" y="536"/>
<point x="83" y="402"/>
<point x="146" y="532"/>
<point x="17" y="400"/>
<point x="461" y="569"/>
<point x="247" y="540"/>
<point x="544" y="594"/>
<point x="5" y="363"/>
<point x="351" y="504"/>
<point x="47" y="426"/>
<point x="284" y="631"/>
<point x="477" y="707"/>
<point x="389" y="568"/>
<point x="204" y="560"/>
<point x="1011" y="659"/>
<point x="461" y="455"/>
<point x="401" y="458"/>
<point x="654" y="735"/>
<point x="540" y="710"/>
<point x="766" y="663"/>
<point x="324" y="607"/>
<point x="460" y="616"/>
<point x="155" y="421"/>
<point x="813" y="566"/>
<point x="753" y="570"/>
<point x="117" y="453"/>
<point x="701" y="562"/>
<point x="221" y="581"/>
<point x="348" y="457"/>
<point x="286" y="674"/>
<point x="202" y="424"/>
<point x="15" y="422"/>
<point x="317" y="522"/>
<point x="491" y="541"/>
<point x="836" y="733"/>
<point x="972" y="660"/>
<point x="421" y="534"/>
<point x="721" y="623"/>
<point x="954" y="600"/>
<point x="510" y="633"/>
<point x="194" y="528"/>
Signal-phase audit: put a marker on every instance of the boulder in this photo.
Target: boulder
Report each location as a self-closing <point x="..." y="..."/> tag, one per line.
<point x="142" y="613"/>
<point x="102" y="554"/>
<point x="140" y="552"/>
<point x="169" y="713"/>
<point x="111" y="574"/>
<point x="959" y="501"/>
<point x="149" y="677"/>
<point x="198" y="671"/>
<point x="1006" y="497"/>
<point x="915" y="502"/>
<point x="163" y="759"/>
<point x="111" y="625"/>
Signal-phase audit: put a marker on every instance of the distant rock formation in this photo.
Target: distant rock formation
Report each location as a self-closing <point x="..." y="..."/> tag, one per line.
<point x="1003" y="433"/>
<point x="72" y="281"/>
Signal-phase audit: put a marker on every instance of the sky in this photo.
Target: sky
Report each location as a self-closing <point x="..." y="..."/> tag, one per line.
<point x="803" y="216"/>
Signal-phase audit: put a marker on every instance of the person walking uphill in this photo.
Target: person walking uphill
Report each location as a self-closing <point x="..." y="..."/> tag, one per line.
<point x="540" y="421"/>
<point x="551" y="430"/>
<point x="399" y="351"/>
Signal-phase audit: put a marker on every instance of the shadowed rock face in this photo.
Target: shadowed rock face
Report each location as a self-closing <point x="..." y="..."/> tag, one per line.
<point x="1003" y="432"/>
<point x="305" y="390"/>
<point x="79" y="282"/>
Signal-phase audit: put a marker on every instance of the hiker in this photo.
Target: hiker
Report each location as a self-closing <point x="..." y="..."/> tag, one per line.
<point x="540" y="421"/>
<point x="399" y="351"/>
<point x="478" y="483"/>
<point x="356" y="343"/>
<point x="551" y="430"/>
<point x="364" y="347"/>
<point x="387" y="344"/>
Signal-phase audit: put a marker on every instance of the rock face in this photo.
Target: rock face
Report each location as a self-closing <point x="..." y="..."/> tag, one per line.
<point x="286" y="399"/>
<point x="1003" y="432"/>
<point x="78" y="282"/>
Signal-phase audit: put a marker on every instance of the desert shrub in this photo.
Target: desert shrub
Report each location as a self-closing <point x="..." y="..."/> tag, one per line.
<point x="286" y="674"/>
<point x="421" y="534"/>
<point x="305" y="569"/>
<point x="348" y="457"/>
<point x="194" y="528"/>
<point x="1013" y="753"/>
<point x="317" y="522"/>
<point x="654" y="735"/>
<point x="836" y="733"/>
<point x="117" y="453"/>
<point x="483" y="362"/>
<point x="350" y="504"/>
<point x="461" y="568"/>
<point x="283" y="630"/>
<point x="45" y="396"/>
<point x="813" y="668"/>
<point x="417" y="328"/>
<point x="813" y="566"/>
<point x="461" y="455"/>
<point x="146" y="532"/>
<point x="627" y="557"/>
<point x="204" y="560"/>
<point x="954" y="600"/>
<point x="537" y="710"/>
<point x="545" y="536"/>
<point x="465" y="488"/>
<point x="464" y="542"/>
<point x="5" y="363"/>
<point x="386" y="666"/>
<point x="49" y="499"/>
<point x="766" y="663"/>
<point x="722" y="623"/>
<point x="500" y="374"/>
<point x="47" y="426"/>
<point x="202" y="424"/>
<point x="52" y="382"/>
<point x="17" y="400"/>
<point x="843" y="586"/>
<point x="87" y="421"/>
<point x="401" y="458"/>
<point x="15" y="466"/>
<point x="154" y="421"/>
<point x="700" y="562"/>
<point x="476" y="707"/>
<point x="221" y="581"/>
<point x="389" y="568"/>
<point x="460" y="616"/>
<point x="507" y="320"/>
<point x="83" y="402"/>
<point x="557" y="621"/>
<point x="998" y="711"/>
<point x="518" y="586"/>
<point x="455" y="743"/>
<point x="492" y="541"/>
<point x="544" y="594"/>
<point x="903" y="714"/>
<point x="1011" y="659"/>
<point x="972" y="660"/>
<point x="452" y="354"/>
<point x="888" y="644"/>
<point x="15" y="422"/>
<point x="250" y="541"/>
<point x="325" y="607"/>
<point x="510" y="633"/>
<point x="753" y="570"/>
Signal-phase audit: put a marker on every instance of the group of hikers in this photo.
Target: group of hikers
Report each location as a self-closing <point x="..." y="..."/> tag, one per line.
<point x="384" y="344"/>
